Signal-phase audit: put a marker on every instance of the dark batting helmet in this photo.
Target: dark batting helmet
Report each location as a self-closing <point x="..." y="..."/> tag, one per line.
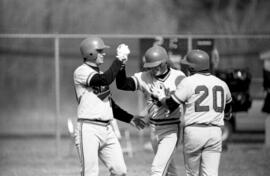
<point x="89" y="47"/>
<point x="197" y="60"/>
<point x="154" y="56"/>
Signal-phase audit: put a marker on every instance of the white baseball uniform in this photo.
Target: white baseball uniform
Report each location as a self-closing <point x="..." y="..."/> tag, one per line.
<point x="204" y="97"/>
<point x="96" y="136"/>
<point x="163" y="123"/>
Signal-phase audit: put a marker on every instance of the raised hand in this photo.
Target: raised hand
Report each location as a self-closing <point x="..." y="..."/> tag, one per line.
<point x="122" y="52"/>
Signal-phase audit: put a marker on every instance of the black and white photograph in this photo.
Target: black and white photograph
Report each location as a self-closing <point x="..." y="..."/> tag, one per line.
<point x="134" y="88"/>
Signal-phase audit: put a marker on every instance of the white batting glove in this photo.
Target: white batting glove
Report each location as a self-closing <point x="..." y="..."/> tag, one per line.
<point x="122" y="52"/>
<point x="158" y="91"/>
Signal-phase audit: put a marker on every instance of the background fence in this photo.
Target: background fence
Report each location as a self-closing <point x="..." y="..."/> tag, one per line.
<point x="36" y="75"/>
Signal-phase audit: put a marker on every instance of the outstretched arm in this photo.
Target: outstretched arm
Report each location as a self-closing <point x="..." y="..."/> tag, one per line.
<point x="120" y="114"/>
<point x="124" y="116"/>
<point x="106" y="78"/>
<point x="123" y="82"/>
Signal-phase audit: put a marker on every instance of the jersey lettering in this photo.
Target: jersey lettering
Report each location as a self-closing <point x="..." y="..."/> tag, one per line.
<point x="216" y="101"/>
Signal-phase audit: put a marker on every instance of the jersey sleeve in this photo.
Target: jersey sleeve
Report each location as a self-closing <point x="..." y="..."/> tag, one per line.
<point x="179" y="79"/>
<point x="120" y="114"/>
<point x="182" y="92"/>
<point x="106" y="78"/>
<point x="137" y="77"/>
<point x="123" y="82"/>
<point x="83" y="75"/>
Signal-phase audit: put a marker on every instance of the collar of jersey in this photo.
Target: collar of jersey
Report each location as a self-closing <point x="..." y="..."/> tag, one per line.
<point x="166" y="75"/>
<point x="93" y="66"/>
<point x="205" y="74"/>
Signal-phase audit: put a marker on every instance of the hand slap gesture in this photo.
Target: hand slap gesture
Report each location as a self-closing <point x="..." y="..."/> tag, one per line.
<point x="122" y="52"/>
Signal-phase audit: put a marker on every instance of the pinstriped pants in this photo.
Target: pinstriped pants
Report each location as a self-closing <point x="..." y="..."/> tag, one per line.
<point x="164" y="142"/>
<point x="99" y="142"/>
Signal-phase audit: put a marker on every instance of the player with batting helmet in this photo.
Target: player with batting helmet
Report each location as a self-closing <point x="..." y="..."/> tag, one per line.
<point x="164" y="124"/>
<point x="206" y="99"/>
<point x="96" y="109"/>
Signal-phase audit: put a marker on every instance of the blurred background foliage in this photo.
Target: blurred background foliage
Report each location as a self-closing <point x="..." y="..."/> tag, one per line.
<point x="135" y="17"/>
<point x="156" y="17"/>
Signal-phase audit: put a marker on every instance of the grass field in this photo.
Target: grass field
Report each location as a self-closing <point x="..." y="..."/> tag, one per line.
<point x="37" y="157"/>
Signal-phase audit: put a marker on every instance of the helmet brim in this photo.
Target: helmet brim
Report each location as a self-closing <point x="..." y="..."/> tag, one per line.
<point x="151" y="64"/>
<point x="105" y="46"/>
<point x="185" y="62"/>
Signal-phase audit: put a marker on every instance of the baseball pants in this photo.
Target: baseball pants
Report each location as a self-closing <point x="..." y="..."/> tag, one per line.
<point x="202" y="150"/>
<point x="99" y="142"/>
<point x="164" y="142"/>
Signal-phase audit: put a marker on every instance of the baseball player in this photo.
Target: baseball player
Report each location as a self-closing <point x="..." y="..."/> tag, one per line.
<point x="205" y="98"/>
<point x="96" y="109"/>
<point x="164" y="124"/>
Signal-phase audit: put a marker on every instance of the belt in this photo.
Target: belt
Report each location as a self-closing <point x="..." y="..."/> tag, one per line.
<point x="161" y="122"/>
<point x="96" y="122"/>
<point x="202" y="125"/>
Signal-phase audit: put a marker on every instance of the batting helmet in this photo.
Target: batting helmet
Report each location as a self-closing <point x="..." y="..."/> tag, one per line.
<point x="197" y="60"/>
<point x="89" y="47"/>
<point x="154" y="56"/>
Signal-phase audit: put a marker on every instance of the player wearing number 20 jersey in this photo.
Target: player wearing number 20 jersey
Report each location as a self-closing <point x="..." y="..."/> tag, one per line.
<point x="205" y="97"/>
<point x="207" y="101"/>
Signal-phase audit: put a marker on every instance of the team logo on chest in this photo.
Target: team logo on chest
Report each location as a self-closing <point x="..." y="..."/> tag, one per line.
<point x="101" y="91"/>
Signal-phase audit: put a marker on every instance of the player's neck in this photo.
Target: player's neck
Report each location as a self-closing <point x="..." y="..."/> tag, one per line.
<point x="92" y="65"/>
<point x="203" y="72"/>
<point x="163" y="75"/>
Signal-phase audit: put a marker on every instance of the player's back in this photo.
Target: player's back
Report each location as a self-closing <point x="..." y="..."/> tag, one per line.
<point x="205" y="98"/>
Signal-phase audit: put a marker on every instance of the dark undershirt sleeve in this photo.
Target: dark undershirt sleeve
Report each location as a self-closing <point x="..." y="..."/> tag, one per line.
<point x="171" y="104"/>
<point x="266" y="79"/>
<point x="120" y="114"/>
<point x="123" y="82"/>
<point x="228" y="111"/>
<point x="106" y="78"/>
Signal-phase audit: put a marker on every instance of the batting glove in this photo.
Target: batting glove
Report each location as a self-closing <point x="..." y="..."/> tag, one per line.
<point x="158" y="91"/>
<point x="122" y="52"/>
<point x="138" y="122"/>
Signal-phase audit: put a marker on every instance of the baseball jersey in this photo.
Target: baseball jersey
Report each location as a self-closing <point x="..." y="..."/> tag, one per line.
<point x="157" y="113"/>
<point x="204" y="97"/>
<point x="94" y="102"/>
